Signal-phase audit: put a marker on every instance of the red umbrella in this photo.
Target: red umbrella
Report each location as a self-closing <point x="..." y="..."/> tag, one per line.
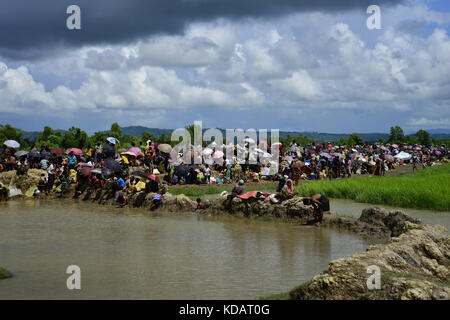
<point x="153" y="177"/>
<point x="76" y="151"/>
<point x="57" y="151"/>
<point x="86" y="171"/>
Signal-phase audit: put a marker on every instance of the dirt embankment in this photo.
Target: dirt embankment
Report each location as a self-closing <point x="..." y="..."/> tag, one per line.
<point x="414" y="264"/>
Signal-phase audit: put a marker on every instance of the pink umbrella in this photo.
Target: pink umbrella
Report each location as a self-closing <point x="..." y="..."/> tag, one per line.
<point x="76" y="151"/>
<point x="417" y="148"/>
<point x="137" y="151"/>
<point x="218" y="155"/>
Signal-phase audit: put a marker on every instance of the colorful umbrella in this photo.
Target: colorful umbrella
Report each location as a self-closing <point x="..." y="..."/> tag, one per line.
<point x="11" y="143"/>
<point x="76" y="151"/>
<point x="326" y="155"/>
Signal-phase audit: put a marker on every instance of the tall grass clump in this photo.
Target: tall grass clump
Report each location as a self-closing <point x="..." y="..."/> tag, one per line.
<point x="425" y="189"/>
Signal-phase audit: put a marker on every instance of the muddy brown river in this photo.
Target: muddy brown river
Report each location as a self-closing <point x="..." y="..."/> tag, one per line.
<point x="132" y="254"/>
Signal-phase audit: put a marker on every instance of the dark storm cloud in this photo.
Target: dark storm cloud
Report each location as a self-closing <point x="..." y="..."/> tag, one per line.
<point x="29" y="27"/>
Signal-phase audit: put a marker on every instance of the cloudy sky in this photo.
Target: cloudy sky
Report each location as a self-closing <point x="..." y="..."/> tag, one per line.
<point x="286" y="64"/>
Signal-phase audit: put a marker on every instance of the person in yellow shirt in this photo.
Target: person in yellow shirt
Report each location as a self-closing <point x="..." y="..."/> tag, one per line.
<point x="125" y="160"/>
<point x="89" y="153"/>
<point x="73" y="176"/>
<point x="140" y="186"/>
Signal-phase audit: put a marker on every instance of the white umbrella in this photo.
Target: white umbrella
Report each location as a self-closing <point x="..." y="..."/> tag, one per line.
<point x="165" y="147"/>
<point x="207" y="151"/>
<point x="218" y="155"/>
<point x="129" y="153"/>
<point x="403" y="156"/>
<point x="11" y="143"/>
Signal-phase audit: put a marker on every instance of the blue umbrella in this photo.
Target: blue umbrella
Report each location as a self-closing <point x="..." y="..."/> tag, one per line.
<point x="112" y="140"/>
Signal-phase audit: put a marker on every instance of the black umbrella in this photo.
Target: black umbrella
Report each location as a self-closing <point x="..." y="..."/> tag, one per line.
<point x="139" y="174"/>
<point x="34" y="154"/>
<point x="181" y="170"/>
<point x="112" y="168"/>
<point x="109" y="151"/>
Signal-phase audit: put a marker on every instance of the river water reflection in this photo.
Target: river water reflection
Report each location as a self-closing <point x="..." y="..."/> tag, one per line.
<point x="129" y="253"/>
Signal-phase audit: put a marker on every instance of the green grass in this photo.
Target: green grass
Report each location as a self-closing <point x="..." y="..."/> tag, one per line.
<point x="197" y="191"/>
<point x="425" y="189"/>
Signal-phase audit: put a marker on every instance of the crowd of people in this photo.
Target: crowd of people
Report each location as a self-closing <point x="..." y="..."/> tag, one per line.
<point x="139" y="168"/>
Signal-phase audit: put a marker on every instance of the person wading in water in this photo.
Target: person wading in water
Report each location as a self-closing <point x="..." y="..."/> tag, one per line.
<point x="321" y="204"/>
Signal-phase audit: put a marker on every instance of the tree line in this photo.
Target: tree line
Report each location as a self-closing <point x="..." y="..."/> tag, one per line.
<point x="75" y="137"/>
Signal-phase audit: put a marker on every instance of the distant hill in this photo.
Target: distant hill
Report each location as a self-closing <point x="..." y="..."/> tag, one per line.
<point x="439" y="131"/>
<point x="138" y="130"/>
<point x="333" y="137"/>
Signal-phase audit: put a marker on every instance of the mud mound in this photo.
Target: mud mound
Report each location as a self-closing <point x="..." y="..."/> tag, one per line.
<point x="375" y="222"/>
<point x="393" y="221"/>
<point x="415" y="265"/>
<point x="288" y="210"/>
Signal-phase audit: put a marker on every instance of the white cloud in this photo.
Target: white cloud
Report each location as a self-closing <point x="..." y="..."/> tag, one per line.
<point x="307" y="61"/>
